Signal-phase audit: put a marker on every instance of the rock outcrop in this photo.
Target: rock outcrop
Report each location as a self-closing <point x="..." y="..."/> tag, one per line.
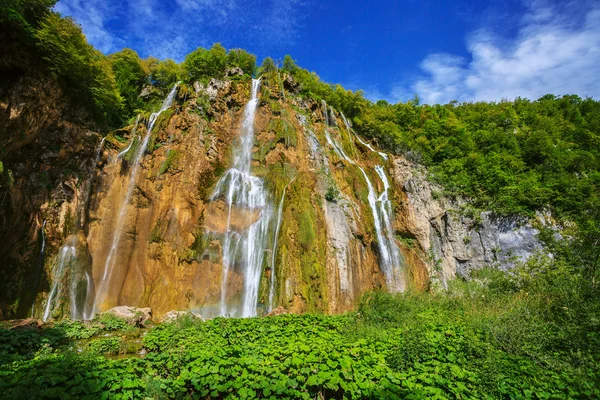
<point x="132" y="315"/>
<point x="173" y="316"/>
<point x="456" y="241"/>
<point x="169" y="256"/>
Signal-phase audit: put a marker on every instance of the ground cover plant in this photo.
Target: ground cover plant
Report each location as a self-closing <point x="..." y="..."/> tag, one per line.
<point x="531" y="334"/>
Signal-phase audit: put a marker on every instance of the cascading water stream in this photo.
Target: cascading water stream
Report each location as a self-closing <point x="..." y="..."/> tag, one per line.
<point x="240" y="190"/>
<point x="396" y="283"/>
<point x="67" y="253"/>
<point x="274" y="250"/>
<point x="391" y="262"/>
<point x="133" y="132"/>
<point x="383" y="155"/>
<point x="110" y="260"/>
<point x="40" y="267"/>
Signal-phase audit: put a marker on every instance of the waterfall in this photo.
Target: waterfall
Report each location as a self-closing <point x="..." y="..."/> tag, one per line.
<point x="383" y="155"/>
<point x="274" y="250"/>
<point x="395" y="282"/>
<point x="244" y="251"/>
<point x="40" y="267"/>
<point x="110" y="259"/>
<point x="99" y="151"/>
<point x="137" y="121"/>
<point x="67" y="253"/>
<point x="391" y="262"/>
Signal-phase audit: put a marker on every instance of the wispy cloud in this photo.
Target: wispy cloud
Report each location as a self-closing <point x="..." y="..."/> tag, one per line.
<point x="153" y="28"/>
<point x="556" y="50"/>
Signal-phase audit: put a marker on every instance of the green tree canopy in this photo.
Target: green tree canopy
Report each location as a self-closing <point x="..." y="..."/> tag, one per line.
<point x="130" y="77"/>
<point x="268" y="65"/>
<point x="86" y="73"/>
<point x="241" y="58"/>
<point x="202" y="64"/>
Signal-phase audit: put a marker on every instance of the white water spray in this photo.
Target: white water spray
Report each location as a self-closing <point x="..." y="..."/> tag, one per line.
<point x="111" y="258"/>
<point x="244" y="250"/>
<point x="67" y="253"/>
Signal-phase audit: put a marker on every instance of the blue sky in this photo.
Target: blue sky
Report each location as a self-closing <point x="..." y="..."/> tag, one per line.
<point x="439" y="50"/>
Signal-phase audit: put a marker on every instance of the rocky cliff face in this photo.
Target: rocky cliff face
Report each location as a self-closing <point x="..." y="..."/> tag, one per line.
<point x="150" y="235"/>
<point x="47" y="156"/>
<point x="454" y="239"/>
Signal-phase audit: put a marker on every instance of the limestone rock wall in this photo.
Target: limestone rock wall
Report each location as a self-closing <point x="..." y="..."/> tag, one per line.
<point x="453" y="241"/>
<point x="327" y="254"/>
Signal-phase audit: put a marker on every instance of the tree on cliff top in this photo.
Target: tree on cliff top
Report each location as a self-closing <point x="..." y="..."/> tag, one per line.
<point x="202" y="64"/>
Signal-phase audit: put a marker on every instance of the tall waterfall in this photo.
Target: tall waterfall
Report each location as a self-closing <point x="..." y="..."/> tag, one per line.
<point x="243" y="250"/>
<point x="67" y="254"/>
<point x="391" y="262"/>
<point x="111" y="258"/>
<point x="395" y="281"/>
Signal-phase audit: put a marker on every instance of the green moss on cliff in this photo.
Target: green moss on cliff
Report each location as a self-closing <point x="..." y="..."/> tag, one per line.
<point x="303" y="248"/>
<point x="170" y="162"/>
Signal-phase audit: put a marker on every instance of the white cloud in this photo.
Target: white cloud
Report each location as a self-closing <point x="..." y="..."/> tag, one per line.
<point x="555" y="52"/>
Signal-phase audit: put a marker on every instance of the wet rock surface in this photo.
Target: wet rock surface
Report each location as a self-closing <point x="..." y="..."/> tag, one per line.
<point x="132" y="315"/>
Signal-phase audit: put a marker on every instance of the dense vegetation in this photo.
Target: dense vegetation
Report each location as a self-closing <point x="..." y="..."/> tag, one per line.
<point x="108" y="87"/>
<point x="531" y="335"/>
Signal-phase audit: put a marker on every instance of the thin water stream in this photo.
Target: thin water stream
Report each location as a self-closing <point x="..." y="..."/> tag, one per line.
<point x="109" y="265"/>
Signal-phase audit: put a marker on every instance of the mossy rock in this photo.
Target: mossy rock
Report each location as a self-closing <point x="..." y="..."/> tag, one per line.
<point x="170" y="163"/>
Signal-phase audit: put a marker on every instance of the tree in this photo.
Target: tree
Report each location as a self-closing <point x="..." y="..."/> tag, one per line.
<point x="130" y="77"/>
<point x="243" y="59"/>
<point x="289" y="65"/>
<point x="202" y="64"/>
<point x="86" y="73"/>
<point x="166" y="73"/>
<point x="268" y="65"/>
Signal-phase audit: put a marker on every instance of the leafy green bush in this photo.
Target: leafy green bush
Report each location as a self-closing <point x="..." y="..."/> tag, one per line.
<point x="112" y="323"/>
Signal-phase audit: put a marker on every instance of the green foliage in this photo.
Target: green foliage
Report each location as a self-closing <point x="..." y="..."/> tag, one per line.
<point x="202" y="64"/>
<point x="332" y="194"/>
<point x="87" y="74"/>
<point x="243" y="59"/>
<point x="19" y="20"/>
<point x="515" y="157"/>
<point x="112" y="323"/>
<point x="268" y="65"/>
<point x="104" y="346"/>
<point x="164" y="74"/>
<point x="533" y="333"/>
<point x="169" y="163"/>
<point x="289" y="65"/>
<point x="130" y="77"/>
